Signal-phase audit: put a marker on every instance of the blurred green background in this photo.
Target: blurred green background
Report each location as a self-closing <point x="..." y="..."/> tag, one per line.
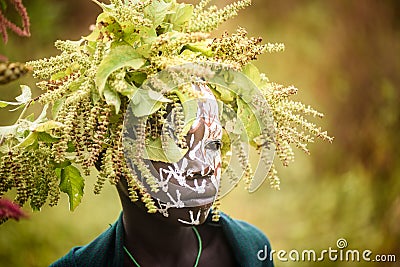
<point x="344" y="56"/>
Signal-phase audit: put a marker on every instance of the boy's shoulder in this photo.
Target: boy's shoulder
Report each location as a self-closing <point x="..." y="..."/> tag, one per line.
<point x="250" y="244"/>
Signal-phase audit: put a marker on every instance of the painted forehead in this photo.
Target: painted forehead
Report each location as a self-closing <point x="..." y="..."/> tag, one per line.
<point x="207" y="115"/>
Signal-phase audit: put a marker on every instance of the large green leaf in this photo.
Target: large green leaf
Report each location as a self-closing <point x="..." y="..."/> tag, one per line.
<point x="119" y="57"/>
<point x="72" y="183"/>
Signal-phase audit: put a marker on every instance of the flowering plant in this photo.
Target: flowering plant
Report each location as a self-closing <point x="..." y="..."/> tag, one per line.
<point x="92" y="82"/>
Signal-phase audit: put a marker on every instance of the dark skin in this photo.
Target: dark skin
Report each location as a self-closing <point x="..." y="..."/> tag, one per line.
<point x="157" y="241"/>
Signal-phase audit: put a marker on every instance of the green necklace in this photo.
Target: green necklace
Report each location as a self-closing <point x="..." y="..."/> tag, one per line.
<point x="198" y="254"/>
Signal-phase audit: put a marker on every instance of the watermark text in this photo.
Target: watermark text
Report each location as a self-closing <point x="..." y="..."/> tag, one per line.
<point x="340" y="253"/>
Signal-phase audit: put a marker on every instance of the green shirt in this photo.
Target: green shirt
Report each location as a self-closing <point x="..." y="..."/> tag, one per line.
<point x="249" y="245"/>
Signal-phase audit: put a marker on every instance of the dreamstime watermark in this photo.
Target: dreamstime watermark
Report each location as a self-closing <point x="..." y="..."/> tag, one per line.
<point x="340" y="253"/>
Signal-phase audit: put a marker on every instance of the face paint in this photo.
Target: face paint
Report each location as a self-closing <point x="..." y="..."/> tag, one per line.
<point x="194" y="180"/>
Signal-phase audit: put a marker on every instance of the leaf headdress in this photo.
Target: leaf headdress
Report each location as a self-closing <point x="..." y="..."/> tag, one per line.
<point x="92" y="83"/>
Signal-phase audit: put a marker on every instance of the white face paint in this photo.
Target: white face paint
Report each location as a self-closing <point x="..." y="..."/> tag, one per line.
<point x="194" y="180"/>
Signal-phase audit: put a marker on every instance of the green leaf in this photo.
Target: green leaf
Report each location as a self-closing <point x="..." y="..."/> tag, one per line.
<point x="60" y="166"/>
<point x="183" y="13"/>
<point x="249" y="119"/>
<point x="72" y="183"/>
<point x="4" y="149"/>
<point x="57" y="106"/>
<point x="107" y="26"/>
<point x="253" y="74"/>
<point x="112" y="98"/>
<point x="119" y="57"/>
<point x="149" y="36"/>
<point x="129" y="90"/>
<point x="226" y="94"/>
<point x="72" y="68"/>
<point x="93" y="36"/>
<point x="47" y="138"/>
<point x="133" y="33"/>
<point x="137" y="78"/>
<point x="234" y="126"/>
<point x="146" y="102"/>
<point x="171" y="153"/>
<point x="47" y="126"/>
<point x="144" y="50"/>
<point x="237" y="82"/>
<point x="155" y="151"/>
<point x="157" y="11"/>
<point x="29" y="140"/>
<point x="129" y="29"/>
<point x="202" y="47"/>
<point x="157" y="96"/>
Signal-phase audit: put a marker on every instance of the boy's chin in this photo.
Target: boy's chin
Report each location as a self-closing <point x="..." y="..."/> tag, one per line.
<point x="188" y="216"/>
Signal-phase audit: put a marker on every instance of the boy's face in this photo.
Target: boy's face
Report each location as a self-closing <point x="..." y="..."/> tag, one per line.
<point x="191" y="184"/>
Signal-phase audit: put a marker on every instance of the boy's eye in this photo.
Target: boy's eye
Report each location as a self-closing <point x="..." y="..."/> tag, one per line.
<point x="214" y="145"/>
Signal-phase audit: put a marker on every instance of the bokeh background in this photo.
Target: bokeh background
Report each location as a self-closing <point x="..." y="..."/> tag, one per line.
<point x="344" y="56"/>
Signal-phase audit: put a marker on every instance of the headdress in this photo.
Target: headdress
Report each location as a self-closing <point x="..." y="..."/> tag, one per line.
<point x="146" y="58"/>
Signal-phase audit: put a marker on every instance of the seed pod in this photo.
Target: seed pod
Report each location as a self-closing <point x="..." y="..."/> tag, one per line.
<point x="11" y="71"/>
<point x="149" y="203"/>
<point x="138" y="159"/>
<point x="244" y="162"/>
<point x="215" y="210"/>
